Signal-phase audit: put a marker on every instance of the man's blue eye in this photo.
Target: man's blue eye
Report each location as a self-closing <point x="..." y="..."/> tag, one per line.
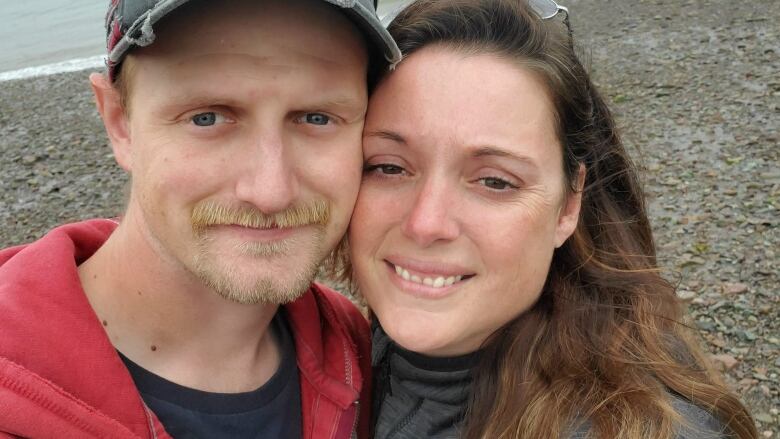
<point x="317" y="119"/>
<point x="205" y="119"/>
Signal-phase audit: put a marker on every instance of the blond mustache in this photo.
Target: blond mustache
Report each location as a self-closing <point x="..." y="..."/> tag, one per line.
<point x="209" y="213"/>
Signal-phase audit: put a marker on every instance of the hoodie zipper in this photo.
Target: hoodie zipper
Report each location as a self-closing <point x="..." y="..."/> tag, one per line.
<point x="355" y="421"/>
<point x="348" y="367"/>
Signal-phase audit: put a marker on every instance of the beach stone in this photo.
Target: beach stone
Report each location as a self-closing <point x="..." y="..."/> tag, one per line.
<point x="685" y="295"/>
<point x="734" y="288"/>
<point x="705" y="325"/>
<point x="724" y="361"/>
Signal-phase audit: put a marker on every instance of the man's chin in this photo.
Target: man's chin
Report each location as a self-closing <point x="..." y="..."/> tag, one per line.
<point x="253" y="273"/>
<point x="253" y="290"/>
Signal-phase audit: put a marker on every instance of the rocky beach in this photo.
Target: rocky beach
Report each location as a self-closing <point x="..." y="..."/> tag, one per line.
<point x="695" y="85"/>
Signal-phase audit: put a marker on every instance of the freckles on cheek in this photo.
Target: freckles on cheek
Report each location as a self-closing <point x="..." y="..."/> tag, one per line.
<point x="375" y="207"/>
<point x="506" y="240"/>
<point x="366" y="222"/>
<point x="360" y="223"/>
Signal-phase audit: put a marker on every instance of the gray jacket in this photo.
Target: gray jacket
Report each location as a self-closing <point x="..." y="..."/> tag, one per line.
<point x="421" y="397"/>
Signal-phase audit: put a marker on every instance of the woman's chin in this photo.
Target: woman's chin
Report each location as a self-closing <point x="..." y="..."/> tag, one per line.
<point x="427" y="340"/>
<point x="420" y="338"/>
<point x="424" y="347"/>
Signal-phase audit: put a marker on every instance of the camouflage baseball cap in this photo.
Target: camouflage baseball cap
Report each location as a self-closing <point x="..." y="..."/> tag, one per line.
<point x="130" y="23"/>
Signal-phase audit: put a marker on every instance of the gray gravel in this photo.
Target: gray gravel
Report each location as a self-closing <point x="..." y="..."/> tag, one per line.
<point x="695" y="85"/>
<point x="54" y="160"/>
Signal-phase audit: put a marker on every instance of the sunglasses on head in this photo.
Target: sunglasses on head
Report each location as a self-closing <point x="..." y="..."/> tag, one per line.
<point x="545" y="9"/>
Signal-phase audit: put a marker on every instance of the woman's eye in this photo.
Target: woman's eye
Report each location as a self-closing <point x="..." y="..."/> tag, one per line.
<point x="207" y="119"/>
<point x="496" y="183"/>
<point x="386" y="169"/>
<point x="315" y="119"/>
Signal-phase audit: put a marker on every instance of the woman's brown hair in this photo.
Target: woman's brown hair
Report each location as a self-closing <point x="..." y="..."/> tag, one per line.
<point x="604" y="348"/>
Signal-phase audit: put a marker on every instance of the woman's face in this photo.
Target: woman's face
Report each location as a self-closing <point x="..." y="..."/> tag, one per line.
<point x="463" y="199"/>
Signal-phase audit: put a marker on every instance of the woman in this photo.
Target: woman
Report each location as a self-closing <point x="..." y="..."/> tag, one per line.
<point x="501" y="240"/>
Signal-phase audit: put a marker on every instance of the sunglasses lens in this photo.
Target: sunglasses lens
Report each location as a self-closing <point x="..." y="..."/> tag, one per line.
<point x="544" y="8"/>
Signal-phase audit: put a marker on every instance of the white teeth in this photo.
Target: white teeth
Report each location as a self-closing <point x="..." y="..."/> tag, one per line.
<point x="438" y="282"/>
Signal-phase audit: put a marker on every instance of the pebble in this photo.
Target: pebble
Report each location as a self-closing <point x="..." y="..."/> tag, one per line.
<point x="725" y="361"/>
<point x="734" y="288"/>
<point x="685" y="295"/>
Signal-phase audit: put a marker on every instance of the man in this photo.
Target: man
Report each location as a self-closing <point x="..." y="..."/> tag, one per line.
<point x="194" y="316"/>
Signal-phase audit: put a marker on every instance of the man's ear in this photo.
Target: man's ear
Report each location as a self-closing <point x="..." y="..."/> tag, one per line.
<point x="570" y="211"/>
<point x="109" y="105"/>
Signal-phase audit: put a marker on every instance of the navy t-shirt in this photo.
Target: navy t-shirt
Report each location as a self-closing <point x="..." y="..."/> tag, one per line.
<point x="272" y="411"/>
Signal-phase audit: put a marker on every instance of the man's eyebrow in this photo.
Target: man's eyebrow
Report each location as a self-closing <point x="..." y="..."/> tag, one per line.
<point x="338" y="101"/>
<point x="493" y="151"/>
<point x="388" y="135"/>
<point x="199" y="99"/>
<point x="351" y="107"/>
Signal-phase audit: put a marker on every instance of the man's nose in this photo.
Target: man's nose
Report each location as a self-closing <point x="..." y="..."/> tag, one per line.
<point x="432" y="216"/>
<point x="266" y="174"/>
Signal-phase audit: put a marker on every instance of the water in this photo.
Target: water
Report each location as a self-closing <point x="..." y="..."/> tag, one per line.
<point x="39" y="37"/>
<point x="38" y="32"/>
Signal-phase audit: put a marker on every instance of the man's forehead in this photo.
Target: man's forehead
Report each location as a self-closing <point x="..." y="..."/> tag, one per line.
<point x="245" y="80"/>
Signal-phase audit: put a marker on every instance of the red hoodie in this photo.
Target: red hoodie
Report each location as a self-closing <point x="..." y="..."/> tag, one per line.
<point x="60" y="377"/>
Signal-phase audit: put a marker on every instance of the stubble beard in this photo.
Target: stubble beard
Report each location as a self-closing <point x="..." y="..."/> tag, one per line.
<point x="238" y="282"/>
<point x="240" y="285"/>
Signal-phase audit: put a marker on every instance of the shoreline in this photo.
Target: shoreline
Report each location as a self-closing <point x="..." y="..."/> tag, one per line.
<point x="72" y="65"/>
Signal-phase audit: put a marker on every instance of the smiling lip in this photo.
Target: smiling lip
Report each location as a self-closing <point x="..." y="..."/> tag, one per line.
<point x="425" y="279"/>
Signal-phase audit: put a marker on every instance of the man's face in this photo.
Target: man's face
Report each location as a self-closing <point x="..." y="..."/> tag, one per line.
<point x="244" y="142"/>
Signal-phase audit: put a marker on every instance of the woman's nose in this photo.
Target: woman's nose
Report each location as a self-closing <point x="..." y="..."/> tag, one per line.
<point x="432" y="217"/>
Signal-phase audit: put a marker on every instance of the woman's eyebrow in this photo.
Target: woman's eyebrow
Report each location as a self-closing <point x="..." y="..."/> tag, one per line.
<point x="494" y="151"/>
<point x="388" y="135"/>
